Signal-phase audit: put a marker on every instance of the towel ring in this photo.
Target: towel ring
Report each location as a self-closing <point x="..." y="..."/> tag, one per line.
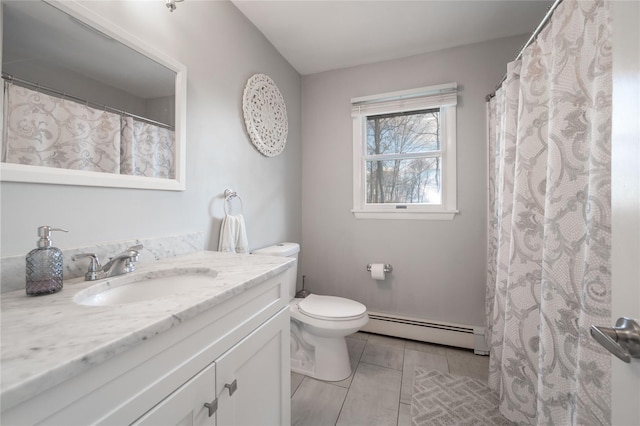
<point x="228" y="196"/>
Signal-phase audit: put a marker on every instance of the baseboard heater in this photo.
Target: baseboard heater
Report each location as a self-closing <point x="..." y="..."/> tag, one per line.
<point x="443" y="333"/>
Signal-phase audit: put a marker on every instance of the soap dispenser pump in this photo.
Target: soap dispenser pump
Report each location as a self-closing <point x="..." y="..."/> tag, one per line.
<point x="44" y="265"/>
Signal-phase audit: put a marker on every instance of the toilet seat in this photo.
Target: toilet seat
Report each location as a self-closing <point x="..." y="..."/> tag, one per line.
<point x="331" y="308"/>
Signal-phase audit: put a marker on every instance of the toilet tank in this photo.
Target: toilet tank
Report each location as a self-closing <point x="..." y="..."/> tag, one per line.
<point x="284" y="250"/>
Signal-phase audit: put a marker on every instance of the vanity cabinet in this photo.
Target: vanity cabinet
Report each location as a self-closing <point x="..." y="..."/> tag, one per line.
<point x="236" y="353"/>
<point x="242" y="387"/>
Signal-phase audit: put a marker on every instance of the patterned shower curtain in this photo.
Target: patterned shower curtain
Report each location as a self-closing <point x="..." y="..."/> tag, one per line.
<point x="49" y="131"/>
<point x="147" y="150"/>
<point x="549" y="228"/>
<point x="44" y="130"/>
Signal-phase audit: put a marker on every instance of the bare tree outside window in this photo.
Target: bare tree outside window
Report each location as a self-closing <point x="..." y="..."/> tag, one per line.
<point x="404" y="159"/>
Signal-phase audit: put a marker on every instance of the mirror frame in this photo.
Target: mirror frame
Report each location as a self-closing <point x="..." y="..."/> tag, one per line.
<point x="10" y="172"/>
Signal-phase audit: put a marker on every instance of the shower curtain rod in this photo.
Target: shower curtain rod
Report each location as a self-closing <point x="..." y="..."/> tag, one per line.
<point x="87" y="102"/>
<point x="535" y="33"/>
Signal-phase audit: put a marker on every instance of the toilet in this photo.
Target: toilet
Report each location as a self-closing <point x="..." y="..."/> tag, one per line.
<point x="319" y="325"/>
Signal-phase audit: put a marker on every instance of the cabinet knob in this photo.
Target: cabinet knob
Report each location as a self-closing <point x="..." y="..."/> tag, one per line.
<point x="232" y="387"/>
<point x="212" y="406"/>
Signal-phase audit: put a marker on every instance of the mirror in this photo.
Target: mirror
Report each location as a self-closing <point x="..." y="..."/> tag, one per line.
<point x="86" y="103"/>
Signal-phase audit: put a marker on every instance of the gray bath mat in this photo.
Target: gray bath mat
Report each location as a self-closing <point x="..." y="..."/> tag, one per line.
<point x="444" y="399"/>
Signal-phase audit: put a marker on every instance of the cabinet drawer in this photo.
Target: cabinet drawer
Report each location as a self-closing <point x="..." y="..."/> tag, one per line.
<point x="186" y="406"/>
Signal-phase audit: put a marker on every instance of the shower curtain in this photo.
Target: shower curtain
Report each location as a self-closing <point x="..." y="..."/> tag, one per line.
<point x="46" y="130"/>
<point x="147" y="150"/>
<point x="549" y="232"/>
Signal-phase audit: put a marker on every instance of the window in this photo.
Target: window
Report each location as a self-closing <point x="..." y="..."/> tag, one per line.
<point x="404" y="151"/>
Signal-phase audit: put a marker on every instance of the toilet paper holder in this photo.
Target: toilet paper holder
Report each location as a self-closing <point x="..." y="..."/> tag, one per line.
<point x="387" y="268"/>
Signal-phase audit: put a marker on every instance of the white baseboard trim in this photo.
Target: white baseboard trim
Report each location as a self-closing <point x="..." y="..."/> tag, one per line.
<point x="443" y="333"/>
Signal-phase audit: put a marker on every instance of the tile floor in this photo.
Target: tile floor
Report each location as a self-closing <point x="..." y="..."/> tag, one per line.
<point x="379" y="389"/>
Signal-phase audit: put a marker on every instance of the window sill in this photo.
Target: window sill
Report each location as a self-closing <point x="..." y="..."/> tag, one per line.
<point x="405" y="215"/>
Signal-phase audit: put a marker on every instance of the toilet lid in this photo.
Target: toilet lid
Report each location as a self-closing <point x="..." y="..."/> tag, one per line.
<point x="331" y="307"/>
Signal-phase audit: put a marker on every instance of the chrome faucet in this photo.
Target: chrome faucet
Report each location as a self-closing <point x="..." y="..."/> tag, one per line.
<point x="121" y="264"/>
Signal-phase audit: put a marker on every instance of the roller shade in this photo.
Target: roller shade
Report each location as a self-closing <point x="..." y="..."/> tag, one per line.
<point x="409" y="100"/>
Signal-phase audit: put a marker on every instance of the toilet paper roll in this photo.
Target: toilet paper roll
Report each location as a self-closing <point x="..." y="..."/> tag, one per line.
<point x="377" y="271"/>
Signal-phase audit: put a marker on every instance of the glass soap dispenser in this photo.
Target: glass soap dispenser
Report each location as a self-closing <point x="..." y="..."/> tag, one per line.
<point x="44" y="265"/>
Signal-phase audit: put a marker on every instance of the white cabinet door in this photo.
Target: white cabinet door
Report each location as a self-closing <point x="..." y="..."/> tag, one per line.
<point x="186" y="406"/>
<point x="253" y="379"/>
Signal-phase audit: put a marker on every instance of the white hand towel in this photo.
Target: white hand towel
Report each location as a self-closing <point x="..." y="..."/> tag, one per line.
<point x="233" y="235"/>
<point x="242" y="245"/>
<point x="227" y="241"/>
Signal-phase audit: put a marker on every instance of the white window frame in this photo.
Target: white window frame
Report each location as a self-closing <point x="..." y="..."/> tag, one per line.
<point x="444" y="97"/>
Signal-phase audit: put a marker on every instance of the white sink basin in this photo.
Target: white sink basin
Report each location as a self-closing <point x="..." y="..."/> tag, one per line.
<point x="141" y="287"/>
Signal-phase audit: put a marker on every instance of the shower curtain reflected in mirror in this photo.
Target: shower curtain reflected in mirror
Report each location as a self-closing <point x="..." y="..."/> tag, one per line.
<point x="549" y="226"/>
<point x="147" y="150"/>
<point x="45" y="130"/>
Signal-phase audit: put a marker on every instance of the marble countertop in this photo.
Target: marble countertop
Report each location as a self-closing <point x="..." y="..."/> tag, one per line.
<point x="49" y="339"/>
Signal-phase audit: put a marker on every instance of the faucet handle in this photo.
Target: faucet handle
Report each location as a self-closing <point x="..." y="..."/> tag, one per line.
<point x="134" y="256"/>
<point x="131" y="252"/>
<point x="129" y="266"/>
<point x="94" y="265"/>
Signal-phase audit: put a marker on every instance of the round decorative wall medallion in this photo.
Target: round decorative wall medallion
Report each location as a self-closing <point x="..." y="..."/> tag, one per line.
<point x="265" y="115"/>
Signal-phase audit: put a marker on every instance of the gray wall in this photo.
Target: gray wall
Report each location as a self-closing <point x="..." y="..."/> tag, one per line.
<point x="439" y="266"/>
<point x="221" y="50"/>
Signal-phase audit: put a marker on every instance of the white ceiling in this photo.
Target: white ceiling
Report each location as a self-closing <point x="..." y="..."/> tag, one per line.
<point x="317" y="36"/>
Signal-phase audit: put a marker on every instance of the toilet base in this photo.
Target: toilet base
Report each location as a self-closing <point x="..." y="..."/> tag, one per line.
<point x="328" y="360"/>
<point x="319" y="346"/>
